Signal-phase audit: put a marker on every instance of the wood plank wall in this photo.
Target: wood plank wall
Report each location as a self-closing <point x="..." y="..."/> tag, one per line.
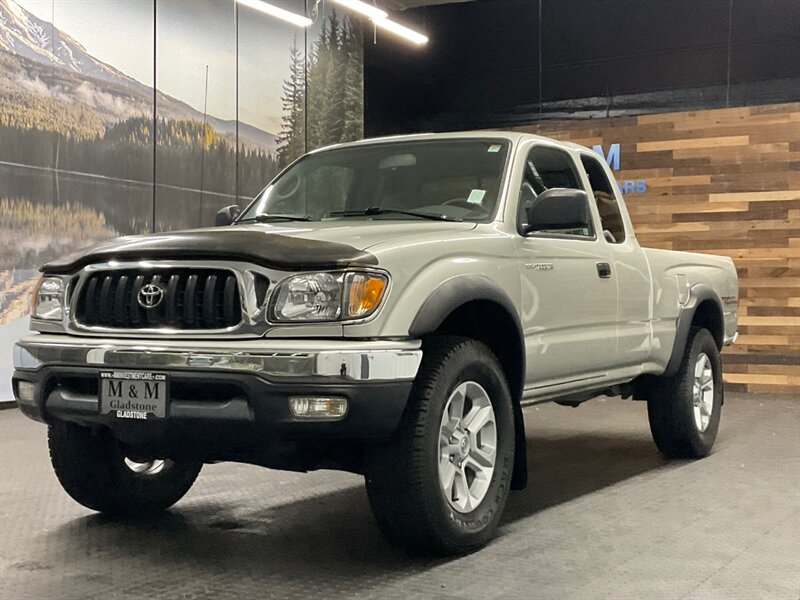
<point x="724" y="182"/>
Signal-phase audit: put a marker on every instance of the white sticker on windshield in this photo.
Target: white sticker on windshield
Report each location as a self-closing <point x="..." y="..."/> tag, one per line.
<point x="476" y="196"/>
<point x="494" y="148"/>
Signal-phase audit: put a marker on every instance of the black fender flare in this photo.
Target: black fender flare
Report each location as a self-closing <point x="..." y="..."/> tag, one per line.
<point x="448" y="297"/>
<point x="698" y="294"/>
<point x="454" y="293"/>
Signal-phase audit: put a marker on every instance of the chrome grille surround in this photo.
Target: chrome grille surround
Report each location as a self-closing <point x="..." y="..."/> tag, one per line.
<point x="253" y="297"/>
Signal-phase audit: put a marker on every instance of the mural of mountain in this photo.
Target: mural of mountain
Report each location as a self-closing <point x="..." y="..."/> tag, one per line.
<point x="89" y="152"/>
<point x="28" y="41"/>
<point x="24" y="34"/>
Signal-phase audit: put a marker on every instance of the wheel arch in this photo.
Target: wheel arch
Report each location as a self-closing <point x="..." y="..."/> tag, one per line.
<point x="476" y="307"/>
<point x="704" y="309"/>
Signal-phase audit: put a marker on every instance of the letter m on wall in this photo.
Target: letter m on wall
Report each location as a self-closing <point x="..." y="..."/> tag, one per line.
<point x="612" y="158"/>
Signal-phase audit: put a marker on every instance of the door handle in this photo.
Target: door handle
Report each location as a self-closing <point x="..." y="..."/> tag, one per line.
<point x="604" y="270"/>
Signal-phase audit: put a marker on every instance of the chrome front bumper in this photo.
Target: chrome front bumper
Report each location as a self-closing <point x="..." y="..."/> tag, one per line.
<point x="339" y="360"/>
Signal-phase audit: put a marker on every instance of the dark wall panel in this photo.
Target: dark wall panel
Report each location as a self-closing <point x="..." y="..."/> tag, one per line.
<point x="625" y="46"/>
<point x="496" y="62"/>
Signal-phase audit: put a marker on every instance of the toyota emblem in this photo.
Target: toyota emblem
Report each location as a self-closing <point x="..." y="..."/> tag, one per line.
<point x="150" y="295"/>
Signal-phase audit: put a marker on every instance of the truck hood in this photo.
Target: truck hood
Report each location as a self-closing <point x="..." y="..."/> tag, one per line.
<point x="287" y="246"/>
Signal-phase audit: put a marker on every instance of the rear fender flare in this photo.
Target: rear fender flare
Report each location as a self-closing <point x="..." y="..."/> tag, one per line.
<point x="698" y="294"/>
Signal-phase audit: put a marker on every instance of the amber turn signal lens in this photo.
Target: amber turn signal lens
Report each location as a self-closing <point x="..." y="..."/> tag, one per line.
<point x="366" y="292"/>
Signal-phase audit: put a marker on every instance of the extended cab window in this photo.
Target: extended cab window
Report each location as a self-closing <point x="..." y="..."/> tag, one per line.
<point x="547" y="168"/>
<point x="607" y="206"/>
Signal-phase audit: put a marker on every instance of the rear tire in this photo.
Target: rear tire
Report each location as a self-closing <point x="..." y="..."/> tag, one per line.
<point x="94" y="471"/>
<point x="441" y="483"/>
<point x="684" y="410"/>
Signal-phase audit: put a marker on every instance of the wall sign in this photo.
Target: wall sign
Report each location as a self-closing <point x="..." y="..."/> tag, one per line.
<point x="626" y="186"/>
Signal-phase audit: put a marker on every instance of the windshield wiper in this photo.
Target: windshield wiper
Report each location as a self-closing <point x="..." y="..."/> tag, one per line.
<point x="266" y="218"/>
<point x="377" y="210"/>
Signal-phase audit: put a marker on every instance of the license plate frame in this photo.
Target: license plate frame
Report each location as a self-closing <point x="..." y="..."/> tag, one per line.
<point x="126" y="394"/>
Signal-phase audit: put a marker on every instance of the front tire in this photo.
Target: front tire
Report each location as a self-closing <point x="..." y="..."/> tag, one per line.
<point x="441" y="483"/>
<point x="93" y="469"/>
<point x="684" y="410"/>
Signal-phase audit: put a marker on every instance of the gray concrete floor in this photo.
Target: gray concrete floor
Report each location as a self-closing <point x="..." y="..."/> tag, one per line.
<point x="605" y="516"/>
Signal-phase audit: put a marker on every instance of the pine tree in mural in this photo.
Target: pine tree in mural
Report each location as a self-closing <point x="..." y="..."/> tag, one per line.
<point x="291" y="140"/>
<point x="319" y="103"/>
<point x="353" y="85"/>
<point x="332" y="94"/>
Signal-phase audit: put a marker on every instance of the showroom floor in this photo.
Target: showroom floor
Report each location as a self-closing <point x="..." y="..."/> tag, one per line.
<point x="604" y="517"/>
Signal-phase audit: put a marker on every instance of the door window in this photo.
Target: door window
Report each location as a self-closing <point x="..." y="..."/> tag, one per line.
<point x="606" y="200"/>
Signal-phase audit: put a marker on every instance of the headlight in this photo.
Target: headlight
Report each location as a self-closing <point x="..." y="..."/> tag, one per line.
<point x="48" y="299"/>
<point x="312" y="297"/>
<point x="328" y="296"/>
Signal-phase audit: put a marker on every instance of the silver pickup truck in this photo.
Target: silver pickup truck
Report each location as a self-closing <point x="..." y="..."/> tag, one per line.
<point x="385" y="307"/>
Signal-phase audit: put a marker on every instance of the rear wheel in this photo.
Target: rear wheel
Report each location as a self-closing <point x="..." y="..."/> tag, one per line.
<point x="684" y="410"/>
<point x="440" y="484"/>
<point x="93" y="468"/>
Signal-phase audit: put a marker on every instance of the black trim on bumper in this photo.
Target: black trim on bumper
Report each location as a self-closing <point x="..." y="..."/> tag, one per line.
<point x="228" y="408"/>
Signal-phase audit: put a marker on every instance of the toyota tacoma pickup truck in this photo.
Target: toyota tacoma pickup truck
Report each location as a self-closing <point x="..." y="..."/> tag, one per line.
<point x="385" y="307"/>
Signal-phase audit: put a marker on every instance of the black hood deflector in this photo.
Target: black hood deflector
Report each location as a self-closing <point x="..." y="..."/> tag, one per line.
<point x="263" y="248"/>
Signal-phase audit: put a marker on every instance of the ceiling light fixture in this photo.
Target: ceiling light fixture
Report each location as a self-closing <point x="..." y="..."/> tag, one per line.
<point x="373" y="12"/>
<point x="274" y="11"/>
<point x="381" y="19"/>
<point x="401" y="30"/>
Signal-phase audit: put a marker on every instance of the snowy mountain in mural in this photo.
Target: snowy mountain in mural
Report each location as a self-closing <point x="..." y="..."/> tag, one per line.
<point x="24" y="34"/>
<point x="103" y="89"/>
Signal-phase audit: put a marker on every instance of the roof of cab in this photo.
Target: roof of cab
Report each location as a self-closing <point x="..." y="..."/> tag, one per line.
<point x="513" y="136"/>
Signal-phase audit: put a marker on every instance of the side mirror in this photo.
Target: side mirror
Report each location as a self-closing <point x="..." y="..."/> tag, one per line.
<point x="225" y="216"/>
<point x="557" y="210"/>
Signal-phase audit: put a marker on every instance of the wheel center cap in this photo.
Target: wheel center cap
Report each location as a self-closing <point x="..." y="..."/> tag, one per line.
<point x="464" y="446"/>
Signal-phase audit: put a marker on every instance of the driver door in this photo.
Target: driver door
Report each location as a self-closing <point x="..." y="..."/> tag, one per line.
<point x="569" y="296"/>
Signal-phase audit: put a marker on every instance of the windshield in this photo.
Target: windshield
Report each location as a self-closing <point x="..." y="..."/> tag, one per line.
<point x="453" y="180"/>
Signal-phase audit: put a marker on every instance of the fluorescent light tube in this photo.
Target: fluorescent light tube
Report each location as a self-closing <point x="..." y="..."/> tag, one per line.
<point x="368" y="10"/>
<point x="401" y="30"/>
<point x="274" y="11"/>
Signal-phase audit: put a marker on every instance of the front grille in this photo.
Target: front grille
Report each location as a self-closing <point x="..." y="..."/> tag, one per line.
<point x="187" y="299"/>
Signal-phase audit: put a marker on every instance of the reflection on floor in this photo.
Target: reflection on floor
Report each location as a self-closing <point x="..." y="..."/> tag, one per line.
<point x="604" y="516"/>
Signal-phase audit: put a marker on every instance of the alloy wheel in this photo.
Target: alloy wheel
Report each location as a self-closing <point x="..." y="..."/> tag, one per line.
<point x="703" y="392"/>
<point x="467" y="446"/>
<point x="153" y="467"/>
